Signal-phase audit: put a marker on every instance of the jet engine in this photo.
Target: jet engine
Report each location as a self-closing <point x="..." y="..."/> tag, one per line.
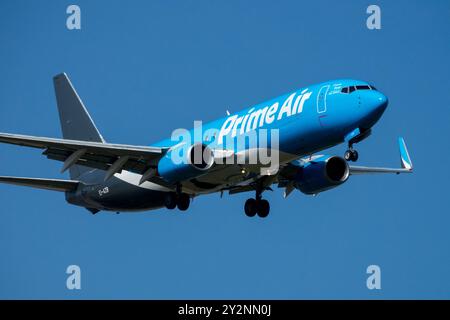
<point x="185" y="163"/>
<point x="322" y="175"/>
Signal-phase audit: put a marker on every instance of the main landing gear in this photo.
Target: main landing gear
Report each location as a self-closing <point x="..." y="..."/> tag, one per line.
<point x="257" y="206"/>
<point x="181" y="200"/>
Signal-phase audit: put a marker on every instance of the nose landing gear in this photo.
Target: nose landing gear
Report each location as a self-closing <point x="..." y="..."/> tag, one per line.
<point x="351" y="155"/>
<point x="353" y="137"/>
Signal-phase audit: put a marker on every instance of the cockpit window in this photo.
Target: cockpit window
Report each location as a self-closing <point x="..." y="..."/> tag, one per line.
<point x="372" y="87"/>
<point x="350" y="89"/>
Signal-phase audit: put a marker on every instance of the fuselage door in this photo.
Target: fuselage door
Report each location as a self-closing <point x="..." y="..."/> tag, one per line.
<point x="322" y="99"/>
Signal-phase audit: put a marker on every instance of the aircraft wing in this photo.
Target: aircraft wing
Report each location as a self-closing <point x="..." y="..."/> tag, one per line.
<point x="98" y="155"/>
<point x="406" y="164"/>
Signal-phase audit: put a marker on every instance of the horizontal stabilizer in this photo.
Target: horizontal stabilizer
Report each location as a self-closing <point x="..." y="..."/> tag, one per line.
<point x="48" y="184"/>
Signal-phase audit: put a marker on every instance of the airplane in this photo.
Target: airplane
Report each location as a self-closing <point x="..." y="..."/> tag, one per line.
<point x="127" y="178"/>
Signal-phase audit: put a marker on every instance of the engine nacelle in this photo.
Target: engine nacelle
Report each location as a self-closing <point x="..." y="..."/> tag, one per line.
<point x="322" y="175"/>
<point x="176" y="166"/>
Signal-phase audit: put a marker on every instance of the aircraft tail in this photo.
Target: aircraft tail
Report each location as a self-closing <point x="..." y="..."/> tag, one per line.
<point x="48" y="184"/>
<point x="76" y="123"/>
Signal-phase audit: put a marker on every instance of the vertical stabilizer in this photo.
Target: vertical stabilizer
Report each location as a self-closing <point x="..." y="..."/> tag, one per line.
<point x="76" y="123"/>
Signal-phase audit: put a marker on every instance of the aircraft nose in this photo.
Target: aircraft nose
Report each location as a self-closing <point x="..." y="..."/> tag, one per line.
<point x="377" y="102"/>
<point x="381" y="101"/>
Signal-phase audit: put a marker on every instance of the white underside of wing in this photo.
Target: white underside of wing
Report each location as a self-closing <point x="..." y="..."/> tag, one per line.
<point x="134" y="178"/>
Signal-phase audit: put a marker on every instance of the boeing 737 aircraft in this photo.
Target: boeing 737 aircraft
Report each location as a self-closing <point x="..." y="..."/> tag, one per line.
<point x="117" y="177"/>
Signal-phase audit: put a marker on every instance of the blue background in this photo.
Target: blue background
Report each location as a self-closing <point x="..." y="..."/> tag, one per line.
<point x="147" y="67"/>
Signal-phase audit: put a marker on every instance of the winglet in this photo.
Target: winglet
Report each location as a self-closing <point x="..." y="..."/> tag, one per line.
<point x="404" y="155"/>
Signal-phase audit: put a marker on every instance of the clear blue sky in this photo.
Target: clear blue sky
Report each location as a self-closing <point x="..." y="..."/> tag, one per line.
<point x="144" y="68"/>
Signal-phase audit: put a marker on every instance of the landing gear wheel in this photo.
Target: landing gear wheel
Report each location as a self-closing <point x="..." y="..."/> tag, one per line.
<point x="263" y="208"/>
<point x="183" y="202"/>
<point x="351" y="155"/>
<point x="250" y="207"/>
<point x="347" y="155"/>
<point x="355" y="155"/>
<point x="170" y="201"/>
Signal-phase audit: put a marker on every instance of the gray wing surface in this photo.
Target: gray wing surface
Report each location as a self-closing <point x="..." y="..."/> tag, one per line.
<point x="90" y="154"/>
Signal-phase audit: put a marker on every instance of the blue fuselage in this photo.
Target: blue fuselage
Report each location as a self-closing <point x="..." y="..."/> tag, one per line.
<point x="308" y="120"/>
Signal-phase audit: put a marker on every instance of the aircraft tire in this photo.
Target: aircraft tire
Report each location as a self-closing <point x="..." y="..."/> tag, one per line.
<point x="170" y="201"/>
<point x="183" y="202"/>
<point x="355" y="155"/>
<point x="263" y="208"/>
<point x="351" y="155"/>
<point x="250" y="207"/>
